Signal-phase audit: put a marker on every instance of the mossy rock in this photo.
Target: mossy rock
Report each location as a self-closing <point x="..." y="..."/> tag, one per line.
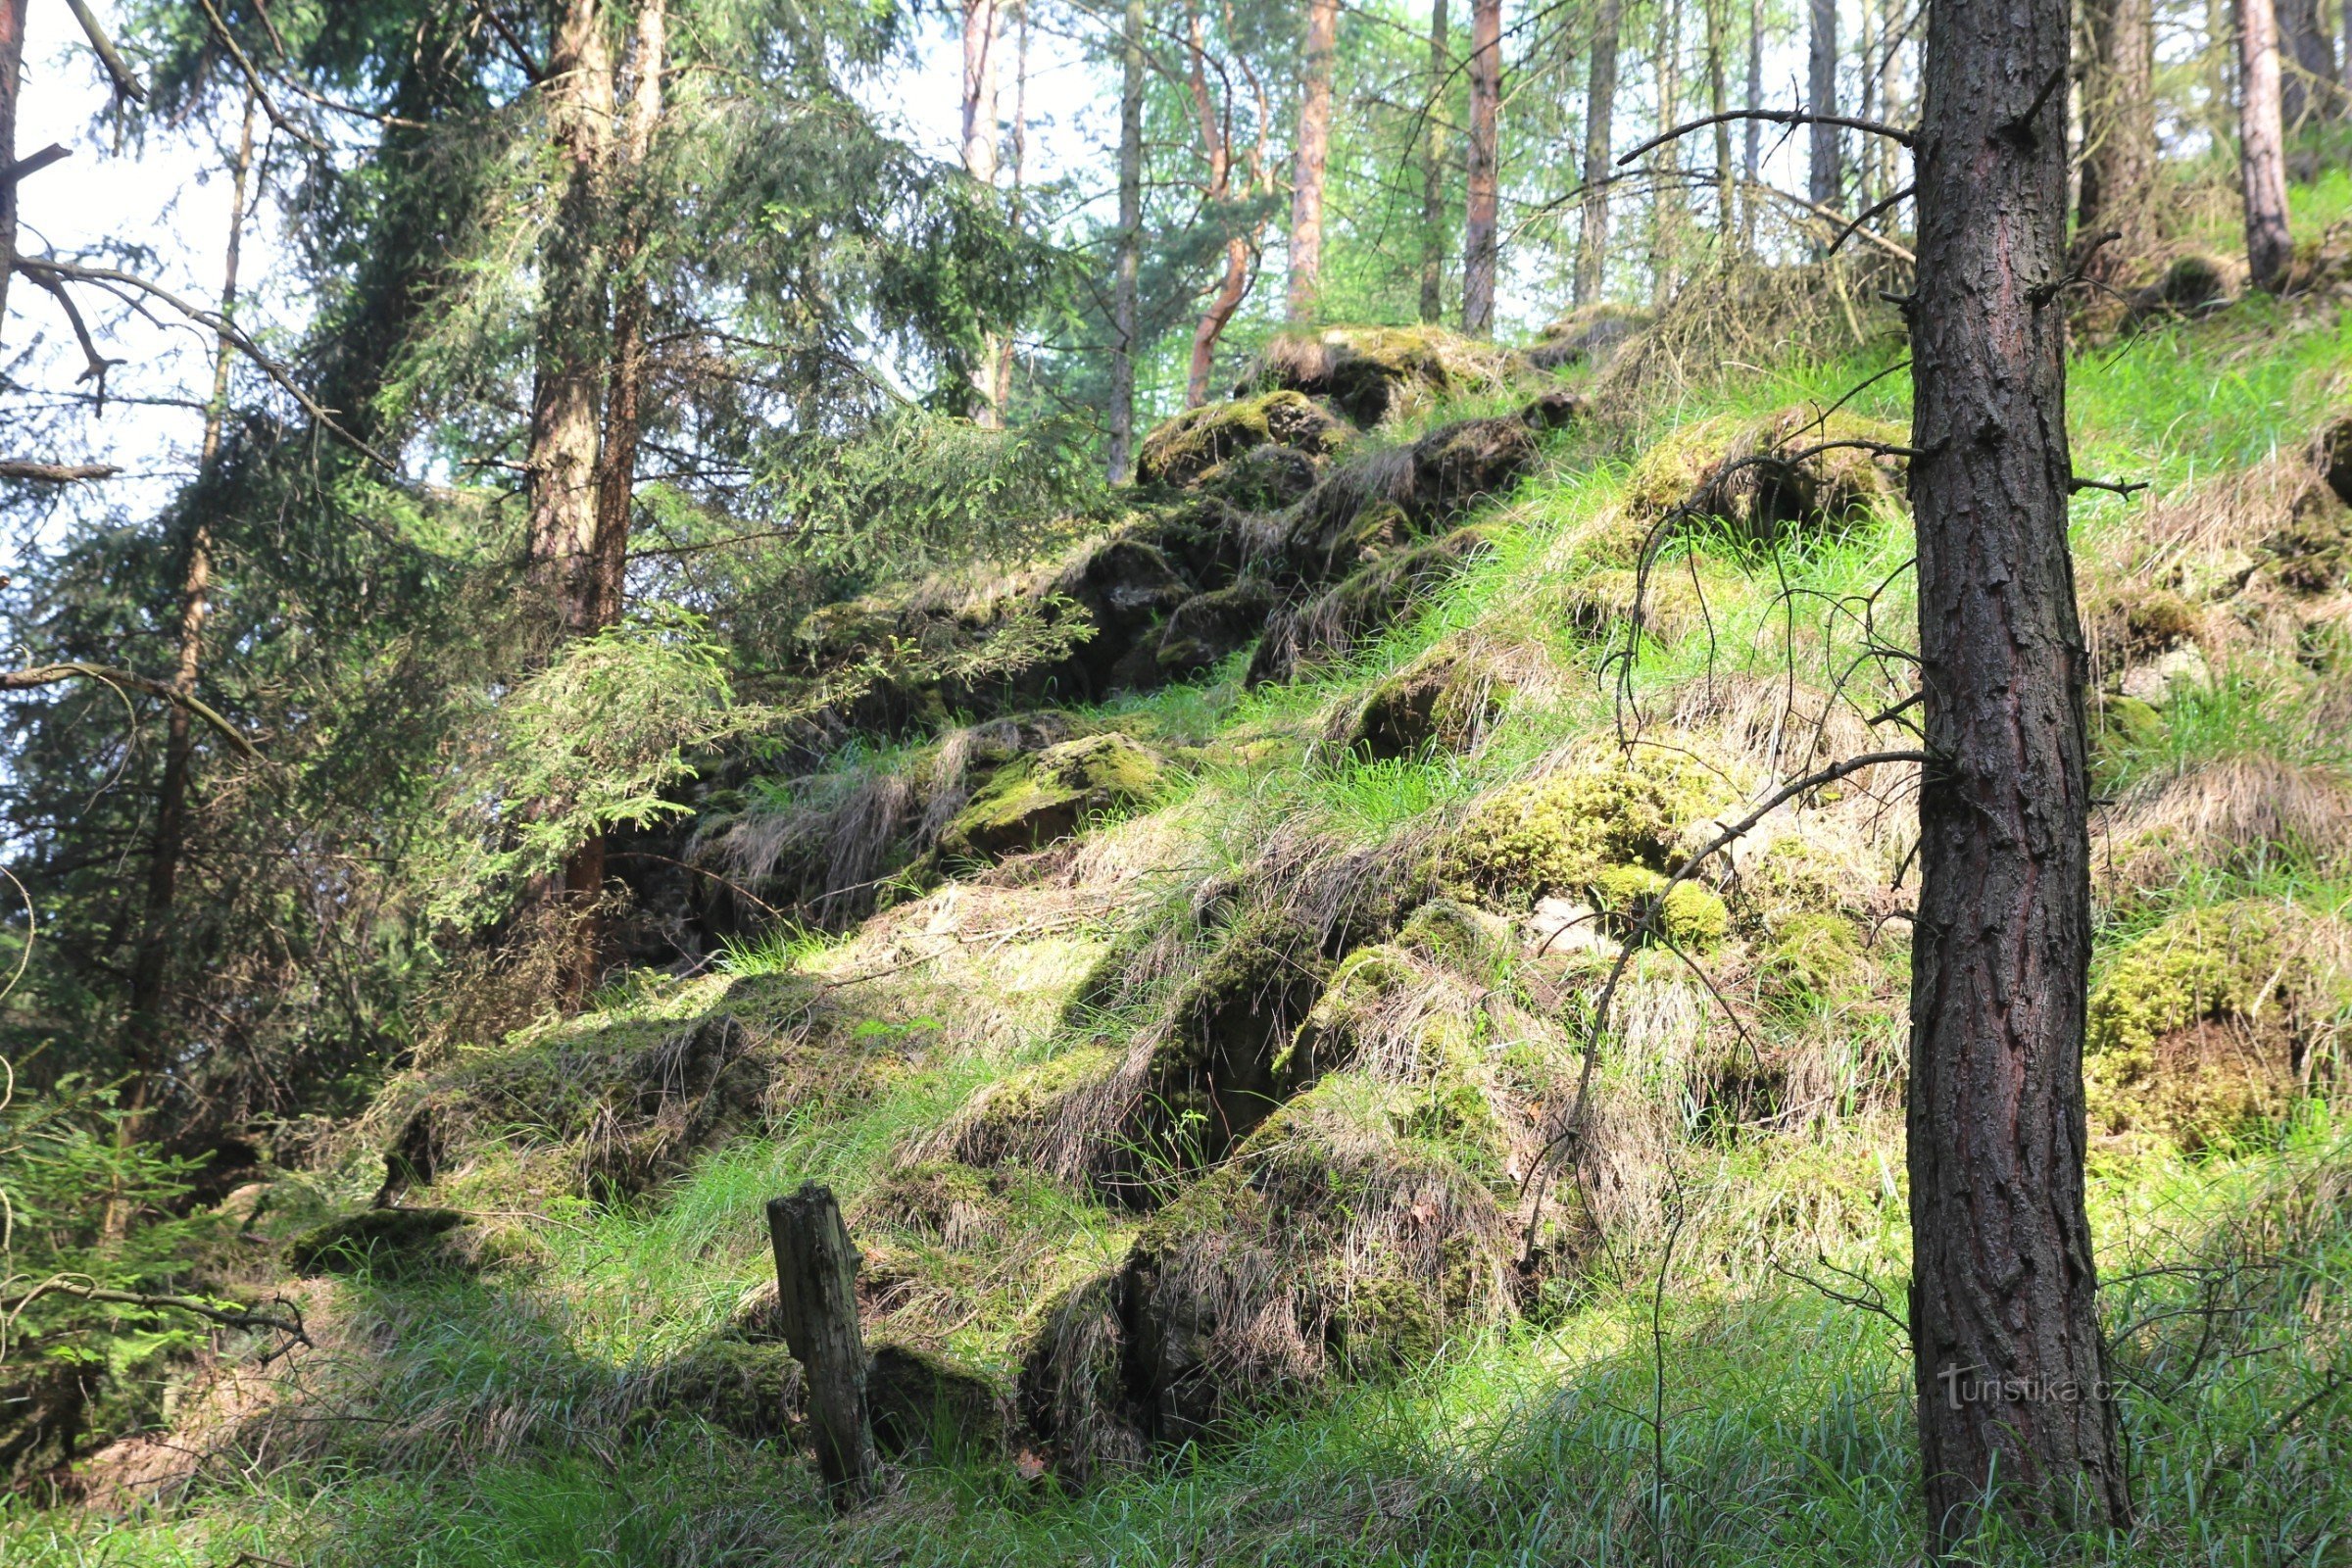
<point x="2312" y="551"/>
<point x="1791" y="474"/>
<point x="1639" y="904"/>
<point x="1588" y="335"/>
<point x="1446" y="701"/>
<point x="957" y="1204"/>
<point x="1363" y="603"/>
<point x="752" y="1389"/>
<point x="1812" y="956"/>
<point x="1336" y="1028"/>
<point x="1034" y="801"/>
<point x="1263" y="479"/>
<point x="1007" y="1119"/>
<point x="1208" y="628"/>
<point x="1458" y="937"/>
<point x="923" y="1402"/>
<point x="2201" y="1029"/>
<point x="1183" y="449"/>
<point x="2129" y="721"/>
<point x="378" y="1241"/>
<point x="2189" y="286"/>
<point x="1218" y="1074"/>
<point x="1373" y="373"/>
<point x="1557" y="834"/>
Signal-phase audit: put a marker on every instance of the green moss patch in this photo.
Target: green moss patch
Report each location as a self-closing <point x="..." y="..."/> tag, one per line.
<point x="379" y="1241"/>
<point x="1034" y="800"/>
<point x="1638" y="904"/>
<point x="1446" y="701"/>
<point x="1187" y="447"/>
<point x="1374" y="373"/>
<point x="1793" y="473"/>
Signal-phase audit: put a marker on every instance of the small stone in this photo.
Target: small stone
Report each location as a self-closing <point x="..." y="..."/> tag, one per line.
<point x="2161" y="679"/>
<point x="1563" y="926"/>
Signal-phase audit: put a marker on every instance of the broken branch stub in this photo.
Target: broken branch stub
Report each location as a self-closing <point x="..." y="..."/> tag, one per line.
<point x="816" y="1307"/>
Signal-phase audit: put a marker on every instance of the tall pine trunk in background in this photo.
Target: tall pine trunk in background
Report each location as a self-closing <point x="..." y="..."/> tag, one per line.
<point x="1433" y="168"/>
<point x="1669" y="202"/>
<point x="169" y="845"/>
<point x="2119" y="134"/>
<point x="1751" y="151"/>
<point x="624" y="393"/>
<point x="1123" y="303"/>
<point x="1314" y="146"/>
<point x="980" y="162"/>
<point x="1600" y="104"/>
<point x="2004" y="1320"/>
<point x="2307" y="83"/>
<point x="2261" y="145"/>
<point x="561" y="463"/>
<point x="1719" y="27"/>
<point x="1217" y="152"/>
<point x="1824" y="175"/>
<point x="1480" y="236"/>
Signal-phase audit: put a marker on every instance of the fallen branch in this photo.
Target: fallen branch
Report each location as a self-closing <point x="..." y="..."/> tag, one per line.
<point x="19" y="680"/>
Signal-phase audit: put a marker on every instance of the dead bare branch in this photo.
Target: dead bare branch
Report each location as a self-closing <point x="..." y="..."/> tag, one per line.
<point x="38" y="675"/>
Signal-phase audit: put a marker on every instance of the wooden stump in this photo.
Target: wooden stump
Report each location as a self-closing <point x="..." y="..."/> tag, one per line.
<point x="816" y="1305"/>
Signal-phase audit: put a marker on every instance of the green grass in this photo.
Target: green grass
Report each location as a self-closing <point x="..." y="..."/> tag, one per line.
<point x="1719" y="1411"/>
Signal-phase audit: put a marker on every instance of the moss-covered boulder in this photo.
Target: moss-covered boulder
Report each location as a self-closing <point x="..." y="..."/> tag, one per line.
<point x="2189" y="286"/>
<point x="2311" y="552"/>
<point x="1811" y="956"/>
<point x="1218" y="1072"/>
<point x="1457" y="937"/>
<point x="1208" y="628"/>
<point x="1012" y="1116"/>
<point x="1797" y="472"/>
<point x="1559" y="834"/>
<point x="2203" y="1029"/>
<point x="1373" y="373"/>
<point x="1638" y="903"/>
<point x="1588" y="335"/>
<point x="1263" y="478"/>
<point x="379" y="1241"/>
<point x="1368" y="600"/>
<point x="922" y="1401"/>
<point x="959" y="1205"/>
<point x="1446" y="700"/>
<point x="1034" y="801"/>
<point x="1346" y="1237"/>
<point x="750" y="1388"/>
<point x="1183" y="449"/>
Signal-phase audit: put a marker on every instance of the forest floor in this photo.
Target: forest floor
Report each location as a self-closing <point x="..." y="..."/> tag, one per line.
<point x="1698" y="1356"/>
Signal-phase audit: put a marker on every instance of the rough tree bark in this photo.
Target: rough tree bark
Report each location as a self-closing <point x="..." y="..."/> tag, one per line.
<point x="2119" y="134"/>
<point x="624" y="397"/>
<point x="2003" y="1310"/>
<point x="1719" y="27"/>
<point x="562" y="462"/>
<point x="1825" y="173"/>
<point x="169" y="846"/>
<point x="2261" y="146"/>
<point x="1668" y="201"/>
<point x="980" y="162"/>
<point x="1314" y="146"/>
<point x="2307" y="85"/>
<point x="816" y="1306"/>
<point x="1123" y="303"/>
<point x="1600" y="103"/>
<point x="1217" y="150"/>
<point x="1751" y="151"/>
<point x="1433" y="168"/>
<point x="1483" y="211"/>
<point x="11" y="77"/>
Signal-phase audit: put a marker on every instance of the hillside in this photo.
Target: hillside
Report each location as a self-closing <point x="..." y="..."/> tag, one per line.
<point x="1213" y="1070"/>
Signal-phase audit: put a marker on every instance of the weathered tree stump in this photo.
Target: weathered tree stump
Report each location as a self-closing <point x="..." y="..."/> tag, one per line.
<point x="816" y="1306"/>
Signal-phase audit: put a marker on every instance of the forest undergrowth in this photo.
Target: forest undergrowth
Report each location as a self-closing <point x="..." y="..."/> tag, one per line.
<point x="1703" y="1355"/>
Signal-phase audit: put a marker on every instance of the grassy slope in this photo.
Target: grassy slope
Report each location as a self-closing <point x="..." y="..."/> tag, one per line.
<point x="493" y="1413"/>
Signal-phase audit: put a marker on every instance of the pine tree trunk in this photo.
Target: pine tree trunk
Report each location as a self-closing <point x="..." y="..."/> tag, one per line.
<point x="624" y="397"/>
<point x="12" y="78"/>
<point x="1479" y="230"/>
<point x="151" y="961"/>
<point x="1751" y="152"/>
<point x="980" y="162"/>
<point x="1123" y="303"/>
<point x="1314" y="146"/>
<point x="1234" y="286"/>
<point x="1667" y="198"/>
<point x="2003" y="1309"/>
<point x="2119" y="113"/>
<point x="2307" y="82"/>
<point x="2261" y="146"/>
<point x="1824" y="175"/>
<point x="1433" y="169"/>
<point x="1719" y="28"/>
<point x="1600" y="104"/>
